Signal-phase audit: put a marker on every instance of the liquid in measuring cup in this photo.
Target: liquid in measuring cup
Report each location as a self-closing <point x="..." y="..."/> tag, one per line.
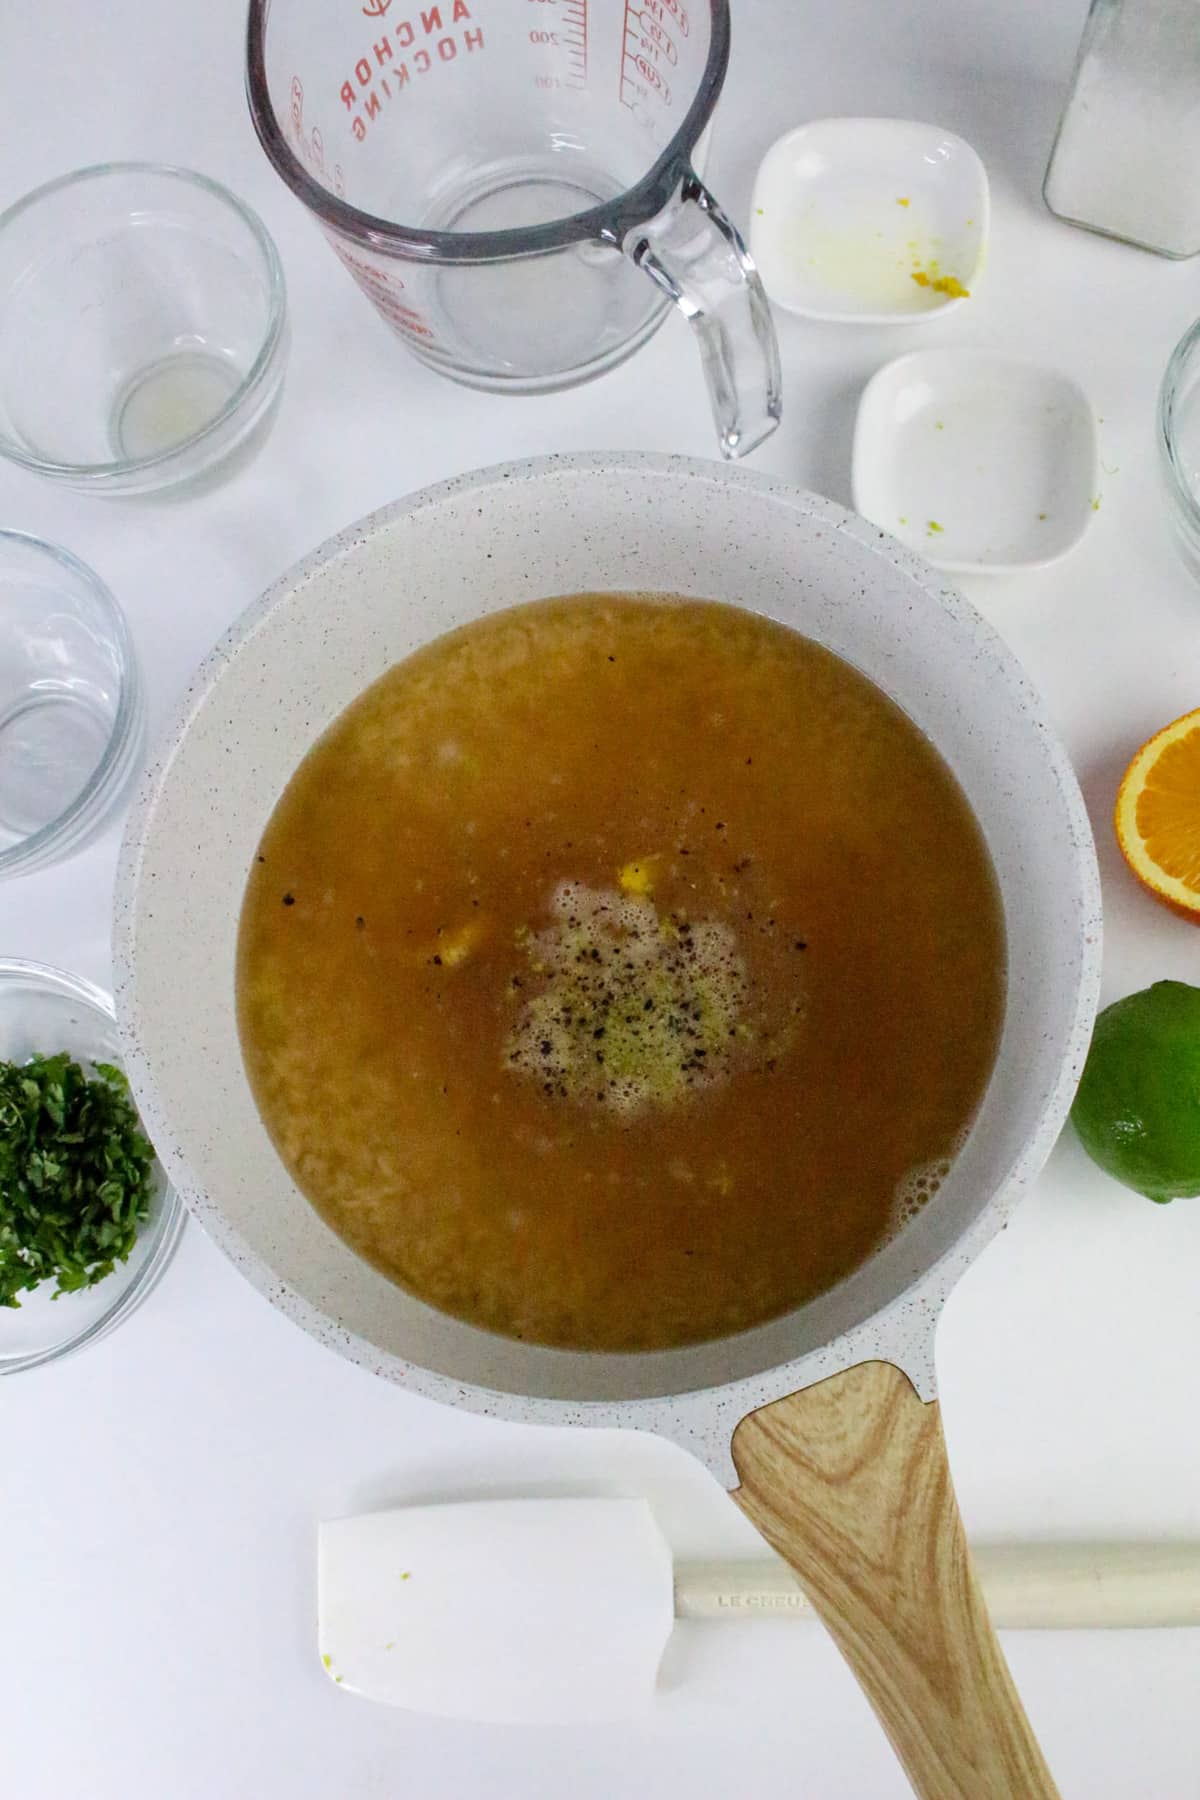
<point x="560" y="312"/>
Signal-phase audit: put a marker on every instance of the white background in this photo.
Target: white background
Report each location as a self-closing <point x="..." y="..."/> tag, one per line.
<point x="158" y="1494"/>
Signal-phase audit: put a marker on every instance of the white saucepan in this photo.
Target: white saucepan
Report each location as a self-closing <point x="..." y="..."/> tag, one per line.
<point x="825" y="1416"/>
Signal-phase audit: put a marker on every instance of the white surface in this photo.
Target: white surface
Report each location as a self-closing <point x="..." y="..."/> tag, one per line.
<point x="846" y="214"/>
<point x="978" y="461"/>
<point x="159" y="1496"/>
<point x="523" y="1610"/>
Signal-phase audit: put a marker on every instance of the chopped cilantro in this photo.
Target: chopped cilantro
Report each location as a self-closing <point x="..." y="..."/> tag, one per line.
<point x="75" y="1174"/>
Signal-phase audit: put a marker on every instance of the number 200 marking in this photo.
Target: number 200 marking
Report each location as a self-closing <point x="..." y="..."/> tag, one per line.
<point x="543" y="37"/>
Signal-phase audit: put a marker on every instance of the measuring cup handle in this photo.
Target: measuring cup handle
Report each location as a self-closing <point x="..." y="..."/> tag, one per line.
<point x="694" y="254"/>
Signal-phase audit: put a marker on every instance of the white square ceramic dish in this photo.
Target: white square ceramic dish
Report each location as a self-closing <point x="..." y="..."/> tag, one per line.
<point x="977" y="460"/>
<point x="875" y="221"/>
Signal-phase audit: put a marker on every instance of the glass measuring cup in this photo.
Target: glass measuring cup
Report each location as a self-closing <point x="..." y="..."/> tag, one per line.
<point x="500" y="176"/>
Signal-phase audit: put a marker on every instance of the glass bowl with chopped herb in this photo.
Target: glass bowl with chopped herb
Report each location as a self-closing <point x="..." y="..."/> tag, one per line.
<point x="88" y="1221"/>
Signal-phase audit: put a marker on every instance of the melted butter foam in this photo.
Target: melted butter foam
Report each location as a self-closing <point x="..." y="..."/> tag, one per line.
<point x="632" y="1008"/>
<point x="918" y="1186"/>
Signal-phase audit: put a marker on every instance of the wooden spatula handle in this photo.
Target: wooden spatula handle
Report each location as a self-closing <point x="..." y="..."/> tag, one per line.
<point x="849" y="1482"/>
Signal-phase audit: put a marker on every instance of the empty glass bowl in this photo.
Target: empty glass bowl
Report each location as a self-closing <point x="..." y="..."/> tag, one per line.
<point x="142" y="327"/>
<point x="1179" y="441"/>
<point x="71" y="717"/>
<point x="43" y="1011"/>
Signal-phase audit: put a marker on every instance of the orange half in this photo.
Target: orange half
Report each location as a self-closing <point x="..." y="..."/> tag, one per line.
<point x="1158" y="815"/>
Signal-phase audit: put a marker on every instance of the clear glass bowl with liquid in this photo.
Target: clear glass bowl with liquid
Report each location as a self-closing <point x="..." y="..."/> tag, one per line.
<point x="72" y="723"/>
<point x="142" y="327"/>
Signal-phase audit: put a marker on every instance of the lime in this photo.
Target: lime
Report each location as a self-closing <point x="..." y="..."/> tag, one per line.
<point x="1137" y="1111"/>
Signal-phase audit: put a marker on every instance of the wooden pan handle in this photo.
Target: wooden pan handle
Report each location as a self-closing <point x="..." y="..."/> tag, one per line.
<point x="849" y="1482"/>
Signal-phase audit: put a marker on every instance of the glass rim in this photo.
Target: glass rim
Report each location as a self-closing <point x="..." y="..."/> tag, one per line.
<point x="121" y="467"/>
<point x="165" y="1233"/>
<point x="608" y="221"/>
<point x="34" y="848"/>
<point x="1184" y="494"/>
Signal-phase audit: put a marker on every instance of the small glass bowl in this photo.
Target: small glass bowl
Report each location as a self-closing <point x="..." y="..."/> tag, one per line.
<point x="43" y="1011"/>
<point x="142" y="327"/>
<point x="72" y="723"/>
<point x="1179" y="441"/>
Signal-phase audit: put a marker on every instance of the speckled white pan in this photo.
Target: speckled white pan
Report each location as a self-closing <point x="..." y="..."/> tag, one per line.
<point x="368" y="598"/>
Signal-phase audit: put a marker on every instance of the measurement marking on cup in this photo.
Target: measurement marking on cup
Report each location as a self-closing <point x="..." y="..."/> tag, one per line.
<point x="674" y="9"/>
<point x="574" y="13"/>
<point x="654" y="40"/>
<point x="567" y="44"/>
<point x="648" y="48"/>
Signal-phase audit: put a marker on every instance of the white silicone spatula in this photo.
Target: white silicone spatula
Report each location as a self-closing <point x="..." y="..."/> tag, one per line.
<point x="527" y="1610"/>
<point x="498" y="1609"/>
